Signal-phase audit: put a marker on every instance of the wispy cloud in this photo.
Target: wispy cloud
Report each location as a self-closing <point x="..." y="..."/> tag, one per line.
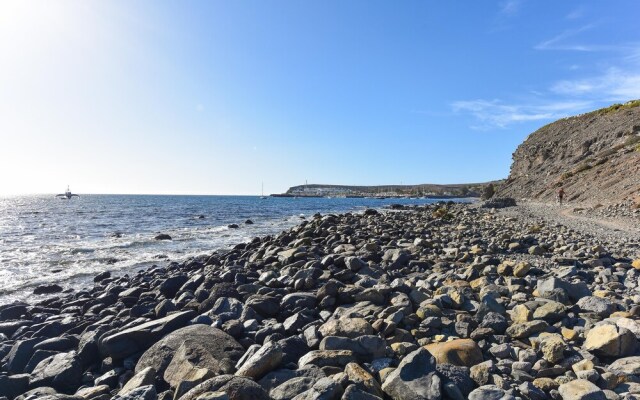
<point x="562" y="98"/>
<point x="614" y="84"/>
<point x="568" y="41"/>
<point x="496" y="113"/>
<point x="576" y="13"/>
<point x="510" y="7"/>
<point x="559" y="42"/>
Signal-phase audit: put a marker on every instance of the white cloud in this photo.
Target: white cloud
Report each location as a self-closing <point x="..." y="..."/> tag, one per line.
<point x="562" y="99"/>
<point x="614" y="84"/>
<point x="496" y="113"/>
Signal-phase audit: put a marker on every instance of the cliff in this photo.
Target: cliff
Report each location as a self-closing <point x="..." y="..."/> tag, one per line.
<point x="595" y="157"/>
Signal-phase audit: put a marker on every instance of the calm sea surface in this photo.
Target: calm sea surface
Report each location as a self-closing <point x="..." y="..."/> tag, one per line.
<point x="68" y="242"/>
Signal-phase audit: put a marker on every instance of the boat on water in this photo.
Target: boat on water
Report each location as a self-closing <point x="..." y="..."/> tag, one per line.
<point x="67" y="195"/>
<point x="262" y="196"/>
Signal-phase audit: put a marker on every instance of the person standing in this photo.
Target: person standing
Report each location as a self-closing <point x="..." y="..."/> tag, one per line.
<point x="561" y="195"/>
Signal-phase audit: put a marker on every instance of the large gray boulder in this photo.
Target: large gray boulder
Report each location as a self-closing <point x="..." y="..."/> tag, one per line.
<point x="141" y="337"/>
<point x="414" y="379"/>
<point x="62" y="371"/>
<point x="196" y="349"/>
<point x="596" y="305"/>
<point x="627" y="365"/>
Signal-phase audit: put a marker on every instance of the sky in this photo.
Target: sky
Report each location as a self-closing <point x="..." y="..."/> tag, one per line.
<point x="217" y="97"/>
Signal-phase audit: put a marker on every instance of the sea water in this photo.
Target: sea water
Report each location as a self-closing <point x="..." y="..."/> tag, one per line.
<point x="47" y="240"/>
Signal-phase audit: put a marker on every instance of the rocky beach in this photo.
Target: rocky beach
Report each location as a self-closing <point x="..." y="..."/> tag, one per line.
<point x="443" y="301"/>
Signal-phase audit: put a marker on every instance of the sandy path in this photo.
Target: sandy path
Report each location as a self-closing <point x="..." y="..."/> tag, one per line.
<point x="605" y="230"/>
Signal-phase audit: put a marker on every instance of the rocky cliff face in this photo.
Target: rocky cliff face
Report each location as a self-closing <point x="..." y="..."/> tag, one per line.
<point x="595" y="157"/>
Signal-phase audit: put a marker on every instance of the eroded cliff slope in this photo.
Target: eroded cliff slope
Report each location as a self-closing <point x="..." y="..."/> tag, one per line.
<point x="595" y="157"/>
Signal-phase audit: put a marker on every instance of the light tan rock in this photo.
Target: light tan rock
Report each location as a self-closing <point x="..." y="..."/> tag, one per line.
<point x="363" y="379"/>
<point x="610" y="340"/>
<point x="580" y="389"/>
<point x="143" y="378"/>
<point x="460" y="352"/>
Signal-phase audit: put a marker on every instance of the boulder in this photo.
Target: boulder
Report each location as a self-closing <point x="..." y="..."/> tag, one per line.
<point x="141" y="337"/>
<point x="324" y="388"/>
<point x="627" y="365"/>
<point x="460" y="352"/>
<point x="346" y="327"/>
<point x="47" y="289"/>
<point x="291" y="388"/>
<point x="145" y="377"/>
<point x="526" y="329"/>
<point x="596" y="305"/>
<point x="551" y="311"/>
<point x="62" y="371"/>
<point x="552" y="348"/>
<point x="261" y="362"/>
<point x="326" y="358"/>
<point x="610" y="341"/>
<point x="581" y="389"/>
<point x="459" y="377"/>
<point x="203" y="347"/>
<point x="20" y="354"/>
<point x="13" y="385"/>
<point x="414" y="379"/>
<point x="363" y="379"/>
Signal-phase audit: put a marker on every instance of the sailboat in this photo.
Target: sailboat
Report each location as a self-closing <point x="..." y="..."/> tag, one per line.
<point x="262" y="196"/>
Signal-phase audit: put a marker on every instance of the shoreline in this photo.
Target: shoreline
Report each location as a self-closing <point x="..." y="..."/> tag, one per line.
<point x="70" y="249"/>
<point x="483" y="302"/>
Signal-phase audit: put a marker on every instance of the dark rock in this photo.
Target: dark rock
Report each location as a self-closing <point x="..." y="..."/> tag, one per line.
<point x="35" y="359"/>
<point x="264" y="305"/>
<point x="47" y="289"/>
<point x="13" y="385"/>
<point x="61" y="371"/>
<point x="102" y="276"/>
<point x="20" y="354"/>
<point x="170" y="286"/>
<point x="459" y="376"/>
<point x="13" y="311"/>
<point x="415" y="378"/>
<point x="141" y="337"/>
<point x="162" y="236"/>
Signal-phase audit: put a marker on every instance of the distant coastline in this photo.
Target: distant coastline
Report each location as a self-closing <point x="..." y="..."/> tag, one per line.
<point x="427" y="190"/>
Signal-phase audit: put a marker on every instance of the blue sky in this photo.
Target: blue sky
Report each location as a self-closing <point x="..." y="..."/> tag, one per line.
<point x="213" y="97"/>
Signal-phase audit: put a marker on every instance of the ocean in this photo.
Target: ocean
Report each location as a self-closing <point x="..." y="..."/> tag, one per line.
<point x="47" y="240"/>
